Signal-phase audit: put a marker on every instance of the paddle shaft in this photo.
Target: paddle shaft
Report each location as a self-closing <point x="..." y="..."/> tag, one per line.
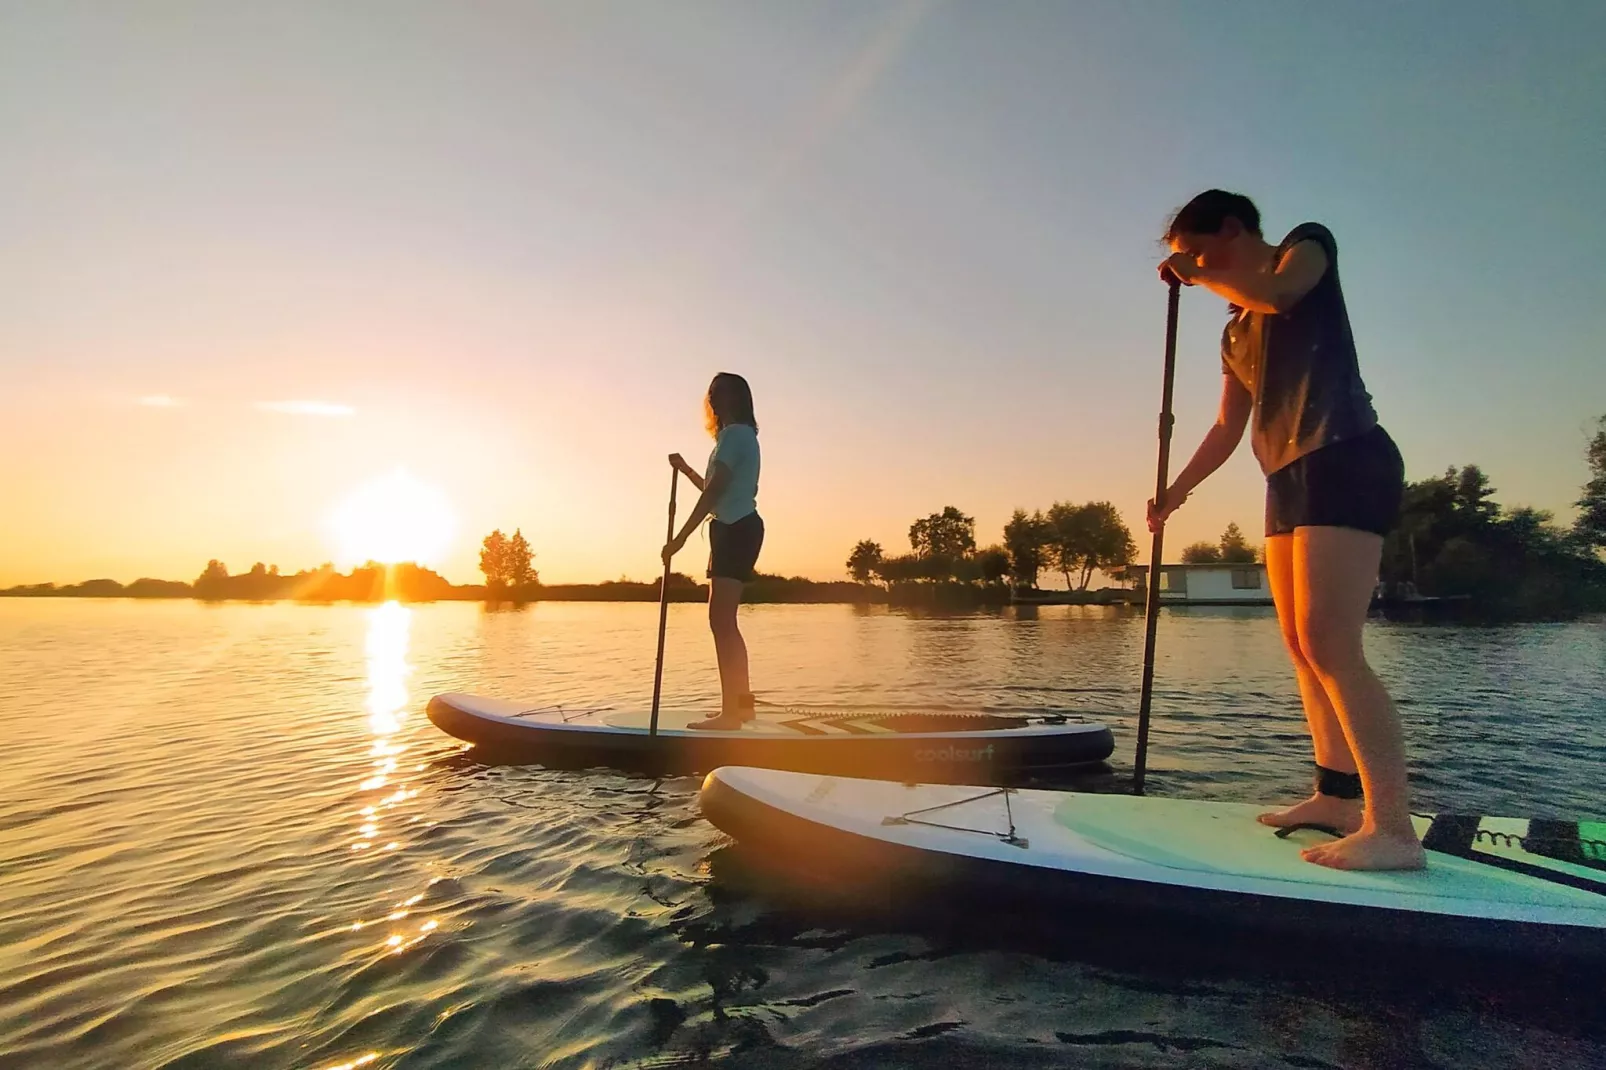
<point x="663" y="608"/>
<point x="1151" y="609"/>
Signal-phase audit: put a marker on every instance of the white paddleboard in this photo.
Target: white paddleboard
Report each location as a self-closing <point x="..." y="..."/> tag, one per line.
<point x="1503" y="883"/>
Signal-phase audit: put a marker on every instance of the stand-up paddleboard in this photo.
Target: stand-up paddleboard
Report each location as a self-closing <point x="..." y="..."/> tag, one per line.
<point x="928" y="747"/>
<point x="1491" y="884"/>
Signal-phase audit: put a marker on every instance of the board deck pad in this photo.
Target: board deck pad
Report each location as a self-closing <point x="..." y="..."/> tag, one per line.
<point x="906" y="745"/>
<point x="775" y="720"/>
<point x="1542" y="841"/>
<point x="1225" y="839"/>
<point x="896" y="721"/>
<point x="807" y="723"/>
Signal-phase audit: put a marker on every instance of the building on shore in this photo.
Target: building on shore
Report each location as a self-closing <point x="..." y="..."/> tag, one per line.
<point x="1215" y="583"/>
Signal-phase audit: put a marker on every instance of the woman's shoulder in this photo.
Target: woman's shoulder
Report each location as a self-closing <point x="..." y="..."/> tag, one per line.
<point x="745" y="434"/>
<point x="1311" y="232"/>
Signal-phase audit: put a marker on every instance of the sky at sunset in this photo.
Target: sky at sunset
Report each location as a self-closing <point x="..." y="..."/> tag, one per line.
<point x="260" y="257"/>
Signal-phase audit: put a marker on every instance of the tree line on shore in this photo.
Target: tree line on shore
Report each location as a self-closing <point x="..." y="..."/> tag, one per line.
<point x="1075" y="540"/>
<point x="370" y="582"/>
<point x="1233" y="548"/>
<point x="1453" y="540"/>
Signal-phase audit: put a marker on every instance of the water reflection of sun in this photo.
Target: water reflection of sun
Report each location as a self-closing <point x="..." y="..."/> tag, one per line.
<point x="391" y="519"/>
<point x="355" y="1064"/>
<point x="389" y="628"/>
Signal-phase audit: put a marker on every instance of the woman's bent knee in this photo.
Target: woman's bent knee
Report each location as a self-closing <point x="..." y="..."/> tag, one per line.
<point x="1331" y="651"/>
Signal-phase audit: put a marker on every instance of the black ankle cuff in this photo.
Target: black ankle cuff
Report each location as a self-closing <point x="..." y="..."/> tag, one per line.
<point x="1338" y="785"/>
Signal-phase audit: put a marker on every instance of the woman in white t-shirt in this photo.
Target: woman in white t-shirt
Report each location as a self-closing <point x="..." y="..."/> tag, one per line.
<point x="735" y="535"/>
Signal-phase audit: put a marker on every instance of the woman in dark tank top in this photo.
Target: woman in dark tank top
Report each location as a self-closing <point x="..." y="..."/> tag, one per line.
<point x="1334" y="480"/>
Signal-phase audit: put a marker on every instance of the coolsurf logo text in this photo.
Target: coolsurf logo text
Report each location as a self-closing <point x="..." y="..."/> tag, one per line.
<point x="954" y="754"/>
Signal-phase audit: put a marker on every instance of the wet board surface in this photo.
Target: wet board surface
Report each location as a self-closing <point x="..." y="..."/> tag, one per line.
<point x="1511" y="874"/>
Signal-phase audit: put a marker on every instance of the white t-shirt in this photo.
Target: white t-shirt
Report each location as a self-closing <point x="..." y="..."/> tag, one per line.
<point x="736" y="446"/>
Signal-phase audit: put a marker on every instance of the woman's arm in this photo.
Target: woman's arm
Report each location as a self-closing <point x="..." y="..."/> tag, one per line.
<point x="1218" y="445"/>
<point x="686" y="470"/>
<point x="1300" y="269"/>
<point x="716" y="485"/>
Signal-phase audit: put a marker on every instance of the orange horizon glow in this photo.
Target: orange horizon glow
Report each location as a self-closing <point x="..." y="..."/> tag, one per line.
<point x="510" y="271"/>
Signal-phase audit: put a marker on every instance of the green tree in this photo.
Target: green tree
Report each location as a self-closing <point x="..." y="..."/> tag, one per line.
<point x="1461" y="567"/>
<point x="1427" y="514"/>
<point x="943" y="540"/>
<point x="520" y="562"/>
<point x="949" y="534"/>
<point x="1201" y="553"/>
<point x="993" y="564"/>
<point x="367" y="582"/>
<point x="1085" y="538"/>
<point x="1454" y="539"/>
<point x="1235" y="549"/>
<point x="1067" y="538"/>
<point x="1434" y="512"/>
<point x="1529" y="530"/>
<point x="1474" y="497"/>
<point x="1026" y="539"/>
<point x="963" y="570"/>
<point x="1110" y="542"/>
<point x="864" y="559"/>
<point x="211" y="583"/>
<point x="494" y="560"/>
<point x="412" y="582"/>
<point x="1590" y="527"/>
<point x="902" y="568"/>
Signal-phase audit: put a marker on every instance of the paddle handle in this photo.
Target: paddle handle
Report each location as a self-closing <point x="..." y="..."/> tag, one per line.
<point x="1151" y="610"/>
<point x="663" y="607"/>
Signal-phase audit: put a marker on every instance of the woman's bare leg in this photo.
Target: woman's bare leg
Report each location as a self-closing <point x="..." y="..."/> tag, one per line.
<point x="1335" y="571"/>
<point x="730" y="649"/>
<point x="724" y="598"/>
<point x="1327" y="735"/>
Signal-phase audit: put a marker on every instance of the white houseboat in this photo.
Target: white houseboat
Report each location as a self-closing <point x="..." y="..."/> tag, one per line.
<point x="1215" y="583"/>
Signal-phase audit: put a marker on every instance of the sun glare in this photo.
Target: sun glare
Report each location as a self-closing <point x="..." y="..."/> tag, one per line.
<point x="393" y="518"/>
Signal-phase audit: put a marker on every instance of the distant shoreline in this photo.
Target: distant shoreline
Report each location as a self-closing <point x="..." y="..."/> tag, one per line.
<point x="765" y="590"/>
<point x="612" y="592"/>
<point x="694" y="595"/>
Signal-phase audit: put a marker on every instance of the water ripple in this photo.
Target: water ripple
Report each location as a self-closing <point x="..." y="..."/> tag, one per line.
<point x="230" y="838"/>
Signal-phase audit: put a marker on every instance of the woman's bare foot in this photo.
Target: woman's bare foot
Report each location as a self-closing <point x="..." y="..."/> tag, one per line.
<point x="1369" y="849"/>
<point x="1329" y="810"/>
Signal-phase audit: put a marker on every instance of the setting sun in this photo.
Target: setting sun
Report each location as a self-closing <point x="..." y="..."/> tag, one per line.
<point x="393" y="518"/>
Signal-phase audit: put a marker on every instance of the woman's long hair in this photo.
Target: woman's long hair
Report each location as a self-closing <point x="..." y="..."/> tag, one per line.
<point x="729" y="401"/>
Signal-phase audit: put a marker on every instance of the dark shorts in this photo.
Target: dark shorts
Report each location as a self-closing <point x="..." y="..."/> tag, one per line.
<point x="1357" y="483"/>
<point x="733" y="548"/>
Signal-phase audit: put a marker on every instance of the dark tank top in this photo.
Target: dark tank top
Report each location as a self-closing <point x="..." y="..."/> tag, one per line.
<point x="1300" y="367"/>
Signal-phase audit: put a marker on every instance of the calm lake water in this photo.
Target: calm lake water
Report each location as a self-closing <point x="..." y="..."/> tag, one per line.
<point x="229" y="837"/>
